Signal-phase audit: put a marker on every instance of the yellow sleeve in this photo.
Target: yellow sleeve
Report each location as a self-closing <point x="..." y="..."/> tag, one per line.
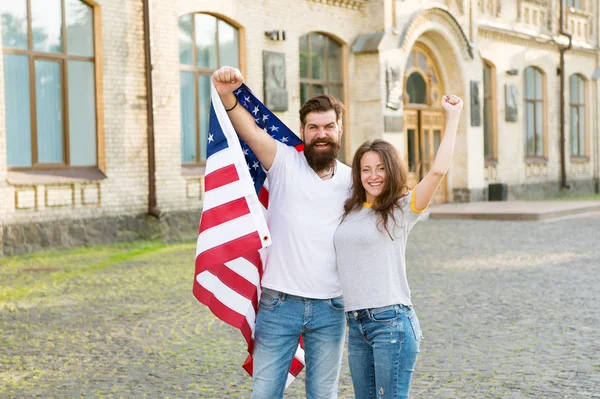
<point x="412" y="203"/>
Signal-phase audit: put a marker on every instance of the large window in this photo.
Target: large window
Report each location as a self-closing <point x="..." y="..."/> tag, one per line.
<point x="49" y="83"/>
<point x="321" y="67"/>
<point x="534" y="112"/>
<point x="577" y="115"/>
<point x="489" y="111"/>
<point x="576" y="4"/>
<point x="206" y="43"/>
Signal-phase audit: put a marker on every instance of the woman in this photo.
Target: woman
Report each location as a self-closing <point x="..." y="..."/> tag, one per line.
<point x="370" y="243"/>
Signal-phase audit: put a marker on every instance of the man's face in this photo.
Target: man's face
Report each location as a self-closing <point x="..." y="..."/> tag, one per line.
<point x="322" y="135"/>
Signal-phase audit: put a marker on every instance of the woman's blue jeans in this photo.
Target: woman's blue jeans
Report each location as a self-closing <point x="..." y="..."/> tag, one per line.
<point x="383" y="345"/>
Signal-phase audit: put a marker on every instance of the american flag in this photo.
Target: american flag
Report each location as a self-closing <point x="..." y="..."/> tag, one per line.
<point x="233" y="228"/>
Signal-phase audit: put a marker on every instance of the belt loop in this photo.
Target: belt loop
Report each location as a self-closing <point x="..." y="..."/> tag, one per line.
<point x="282" y="296"/>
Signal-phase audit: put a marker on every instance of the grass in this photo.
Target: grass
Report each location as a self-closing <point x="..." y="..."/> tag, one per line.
<point x="595" y="197"/>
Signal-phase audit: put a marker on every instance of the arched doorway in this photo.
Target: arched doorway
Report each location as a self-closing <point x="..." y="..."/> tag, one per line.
<point x="423" y="115"/>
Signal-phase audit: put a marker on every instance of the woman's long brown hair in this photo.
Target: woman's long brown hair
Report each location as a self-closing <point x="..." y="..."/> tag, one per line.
<point x="395" y="186"/>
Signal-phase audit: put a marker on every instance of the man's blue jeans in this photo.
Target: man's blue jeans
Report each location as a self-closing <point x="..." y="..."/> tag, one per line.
<point x="280" y="320"/>
<point x="383" y="345"/>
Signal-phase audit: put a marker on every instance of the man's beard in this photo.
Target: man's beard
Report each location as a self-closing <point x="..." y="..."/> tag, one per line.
<point x="321" y="159"/>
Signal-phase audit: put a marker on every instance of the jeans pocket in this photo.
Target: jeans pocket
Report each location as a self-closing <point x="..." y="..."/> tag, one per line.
<point x="416" y="326"/>
<point x="336" y="303"/>
<point x="269" y="299"/>
<point x="386" y="314"/>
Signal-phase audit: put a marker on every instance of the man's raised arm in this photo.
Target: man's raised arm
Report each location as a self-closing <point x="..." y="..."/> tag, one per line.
<point x="226" y="80"/>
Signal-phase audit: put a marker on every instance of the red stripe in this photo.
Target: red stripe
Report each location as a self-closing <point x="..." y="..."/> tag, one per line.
<point x="230" y="250"/>
<point x="220" y="177"/>
<point x="230" y="278"/>
<point x="263" y="197"/>
<point x="223" y="213"/>
<point x="299" y="147"/>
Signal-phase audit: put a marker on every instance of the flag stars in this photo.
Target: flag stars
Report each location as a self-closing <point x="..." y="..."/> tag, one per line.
<point x="245" y="151"/>
<point x="210" y="138"/>
<point x="255" y="111"/>
<point x="237" y="92"/>
<point x="247" y="99"/>
<point x="285" y="139"/>
<point x="255" y="165"/>
<point x="274" y="128"/>
<point x="265" y="117"/>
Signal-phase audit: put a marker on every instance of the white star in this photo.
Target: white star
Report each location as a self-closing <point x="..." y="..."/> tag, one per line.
<point x="274" y="128"/>
<point x="265" y="129"/>
<point x="255" y="110"/>
<point x="284" y="140"/>
<point x="210" y="138"/>
<point x="265" y="117"/>
<point x="247" y="99"/>
<point x="238" y="91"/>
<point x="245" y="151"/>
<point x="257" y="120"/>
<point x="255" y="165"/>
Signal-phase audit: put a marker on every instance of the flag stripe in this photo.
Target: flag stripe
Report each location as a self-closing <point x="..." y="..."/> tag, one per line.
<point x="220" y="177"/>
<point x="224" y="234"/>
<point x="223" y="213"/>
<point x="228" y="193"/>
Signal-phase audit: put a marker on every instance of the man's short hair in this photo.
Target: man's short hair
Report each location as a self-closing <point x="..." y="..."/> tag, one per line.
<point x="322" y="103"/>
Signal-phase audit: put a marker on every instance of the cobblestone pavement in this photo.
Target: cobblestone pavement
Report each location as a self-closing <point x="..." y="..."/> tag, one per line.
<point x="508" y="309"/>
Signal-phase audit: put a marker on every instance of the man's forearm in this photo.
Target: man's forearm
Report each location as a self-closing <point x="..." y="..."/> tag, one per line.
<point x="242" y="120"/>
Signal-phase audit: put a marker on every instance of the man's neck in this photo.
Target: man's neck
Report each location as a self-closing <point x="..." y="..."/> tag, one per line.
<point x="327" y="173"/>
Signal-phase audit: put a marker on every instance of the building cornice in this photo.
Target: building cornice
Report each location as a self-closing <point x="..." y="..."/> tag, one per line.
<point x="350" y="4"/>
<point x="522" y="38"/>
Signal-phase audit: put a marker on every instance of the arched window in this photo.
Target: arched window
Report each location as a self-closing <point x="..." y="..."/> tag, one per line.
<point x="422" y="79"/>
<point x="206" y="43"/>
<point x="489" y="111"/>
<point x="321" y="66"/>
<point x="534" y="112"/>
<point x="49" y="83"/>
<point x="577" y="115"/>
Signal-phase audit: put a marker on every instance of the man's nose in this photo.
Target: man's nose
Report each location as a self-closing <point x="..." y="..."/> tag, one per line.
<point x="321" y="132"/>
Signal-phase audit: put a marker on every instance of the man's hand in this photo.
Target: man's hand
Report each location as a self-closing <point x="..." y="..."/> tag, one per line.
<point x="227" y="79"/>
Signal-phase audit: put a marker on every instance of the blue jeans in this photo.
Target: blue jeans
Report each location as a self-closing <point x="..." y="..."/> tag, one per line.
<point x="383" y="345"/>
<point x="280" y="320"/>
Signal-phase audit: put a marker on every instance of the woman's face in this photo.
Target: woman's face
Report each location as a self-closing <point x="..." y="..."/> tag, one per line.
<point x="372" y="175"/>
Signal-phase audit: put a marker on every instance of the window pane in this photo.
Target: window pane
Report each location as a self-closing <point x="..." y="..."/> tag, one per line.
<point x="581" y="120"/>
<point x="334" y="66"/>
<point x="80" y="28"/>
<point x="486" y="129"/>
<point x="572" y="90"/>
<point x="186" y="42"/>
<point x="574" y="136"/>
<point x="13" y="17"/>
<point x="581" y="90"/>
<point x="411" y="148"/>
<point x="48" y="90"/>
<point x="336" y="91"/>
<point x="206" y="41"/>
<point x="303" y="93"/>
<point x="304" y="56"/>
<point x="538" y="85"/>
<point x="422" y="61"/>
<point x="16" y="98"/>
<point x="318" y="89"/>
<point x="425" y="158"/>
<point x="317" y="55"/>
<point x="188" y="117"/>
<point x="228" y="45"/>
<point x="46" y="23"/>
<point x="416" y="88"/>
<point x="437" y="139"/>
<point x="530" y="130"/>
<point x="204" y="95"/>
<point x="82" y="113"/>
<point x="529" y="83"/>
<point x="539" y="129"/>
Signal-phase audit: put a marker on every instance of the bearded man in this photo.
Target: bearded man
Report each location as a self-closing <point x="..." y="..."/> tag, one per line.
<point x="301" y="291"/>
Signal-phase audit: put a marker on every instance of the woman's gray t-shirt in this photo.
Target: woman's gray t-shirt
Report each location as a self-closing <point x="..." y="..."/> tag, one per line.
<point x="370" y="263"/>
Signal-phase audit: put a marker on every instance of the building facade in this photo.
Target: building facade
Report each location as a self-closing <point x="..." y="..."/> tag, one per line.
<point x="104" y="104"/>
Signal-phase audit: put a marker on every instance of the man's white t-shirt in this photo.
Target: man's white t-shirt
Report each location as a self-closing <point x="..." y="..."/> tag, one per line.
<point x="304" y="212"/>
